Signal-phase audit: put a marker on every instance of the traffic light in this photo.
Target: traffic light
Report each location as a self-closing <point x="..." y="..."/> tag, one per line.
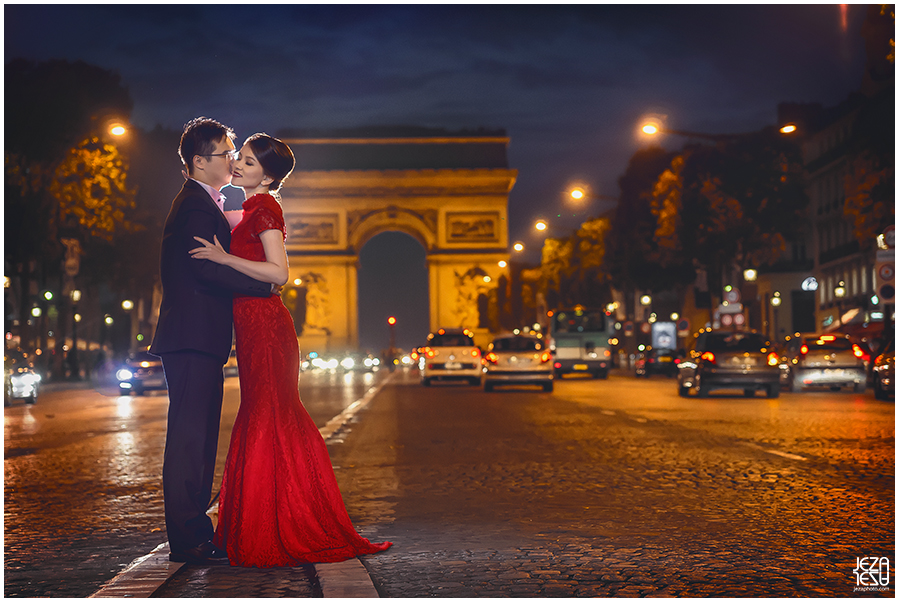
<point x="392" y="321"/>
<point x="884" y="276"/>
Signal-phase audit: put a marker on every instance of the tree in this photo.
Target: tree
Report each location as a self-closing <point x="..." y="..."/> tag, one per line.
<point x="733" y="205"/>
<point x="572" y="269"/>
<point x="62" y="181"/>
<point x="869" y="183"/>
<point x="632" y="254"/>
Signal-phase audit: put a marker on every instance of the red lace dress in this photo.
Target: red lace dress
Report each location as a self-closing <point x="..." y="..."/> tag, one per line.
<point x="279" y="503"/>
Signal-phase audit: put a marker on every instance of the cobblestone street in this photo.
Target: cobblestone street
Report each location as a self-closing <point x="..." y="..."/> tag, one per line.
<point x="599" y="492"/>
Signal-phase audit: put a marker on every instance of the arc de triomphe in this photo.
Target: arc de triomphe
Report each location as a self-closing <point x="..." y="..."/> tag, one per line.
<point x="449" y="191"/>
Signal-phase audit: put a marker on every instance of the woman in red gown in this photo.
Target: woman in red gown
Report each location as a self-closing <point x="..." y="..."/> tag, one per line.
<point x="279" y="504"/>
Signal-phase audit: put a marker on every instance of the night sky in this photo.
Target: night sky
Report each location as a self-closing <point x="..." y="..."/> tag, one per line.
<point x="568" y="84"/>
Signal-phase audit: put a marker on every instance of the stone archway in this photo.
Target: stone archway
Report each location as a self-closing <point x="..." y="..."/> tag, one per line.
<point x="449" y="192"/>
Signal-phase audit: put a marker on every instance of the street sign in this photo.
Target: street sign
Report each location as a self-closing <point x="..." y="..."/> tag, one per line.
<point x="731" y="308"/>
<point x="739" y="320"/>
<point x="726" y="320"/>
<point x="732" y="295"/>
<point x="683" y="327"/>
<point x="645" y="327"/>
<point x="629" y="329"/>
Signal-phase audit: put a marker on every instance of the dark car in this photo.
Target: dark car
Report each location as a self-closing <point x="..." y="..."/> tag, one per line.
<point x="142" y="371"/>
<point x="730" y="360"/>
<point x="831" y="360"/>
<point x="883" y="374"/>
<point x="656" y="361"/>
<point x="20" y="379"/>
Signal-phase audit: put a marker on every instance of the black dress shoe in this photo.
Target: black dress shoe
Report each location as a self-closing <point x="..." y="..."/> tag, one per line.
<point x="202" y="554"/>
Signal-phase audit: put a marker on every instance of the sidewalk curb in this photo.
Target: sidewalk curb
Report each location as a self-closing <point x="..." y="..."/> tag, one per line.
<point x="346" y="579"/>
<point x="142" y="577"/>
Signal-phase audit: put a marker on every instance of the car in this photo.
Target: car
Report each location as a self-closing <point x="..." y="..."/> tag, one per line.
<point x="450" y="354"/>
<point x="21" y="380"/>
<point x="357" y="361"/>
<point x="660" y="361"/>
<point x="142" y="371"/>
<point x="830" y="360"/>
<point x="883" y="373"/>
<point x="518" y="359"/>
<point x="231" y="367"/>
<point x="730" y="360"/>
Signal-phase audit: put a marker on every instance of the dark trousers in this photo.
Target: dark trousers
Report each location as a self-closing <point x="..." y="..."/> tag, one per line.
<point x="195" y="381"/>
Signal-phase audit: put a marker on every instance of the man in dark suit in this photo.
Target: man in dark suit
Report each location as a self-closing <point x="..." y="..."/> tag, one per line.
<point x="193" y="337"/>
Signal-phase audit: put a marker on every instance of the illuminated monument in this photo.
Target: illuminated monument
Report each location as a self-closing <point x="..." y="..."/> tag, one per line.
<point x="447" y="190"/>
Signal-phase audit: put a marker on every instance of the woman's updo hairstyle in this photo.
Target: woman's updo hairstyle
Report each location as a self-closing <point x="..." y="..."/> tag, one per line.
<point x="274" y="156"/>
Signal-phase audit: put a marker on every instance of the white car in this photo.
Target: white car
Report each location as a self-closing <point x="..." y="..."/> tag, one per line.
<point x="518" y="359"/>
<point x="451" y="354"/>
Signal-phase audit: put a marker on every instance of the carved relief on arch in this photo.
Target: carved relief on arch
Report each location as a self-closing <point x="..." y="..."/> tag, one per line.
<point x="362" y="225"/>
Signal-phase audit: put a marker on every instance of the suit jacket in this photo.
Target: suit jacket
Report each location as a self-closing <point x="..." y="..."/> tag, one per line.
<point x="195" y="313"/>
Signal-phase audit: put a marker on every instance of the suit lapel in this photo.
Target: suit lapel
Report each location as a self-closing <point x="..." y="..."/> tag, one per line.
<point x="224" y="229"/>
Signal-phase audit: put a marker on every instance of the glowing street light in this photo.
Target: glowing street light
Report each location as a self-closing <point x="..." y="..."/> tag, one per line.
<point x="540" y="225"/>
<point x="518" y="246"/>
<point x="127" y="305"/>
<point x="788" y="129"/>
<point x="577" y="193"/>
<point x="117" y="129"/>
<point x="645" y="300"/>
<point x="502" y="263"/>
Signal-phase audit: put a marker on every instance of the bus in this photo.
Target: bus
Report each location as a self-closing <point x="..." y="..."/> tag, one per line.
<point x="579" y="342"/>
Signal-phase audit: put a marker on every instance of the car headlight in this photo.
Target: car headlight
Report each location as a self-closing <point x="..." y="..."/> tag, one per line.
<point x="348" y="363"/>
<point x="367" y="362"/>
<point x="124" y="374"/>
<point x="24" y="379"/>
<point x="331" y="363"/>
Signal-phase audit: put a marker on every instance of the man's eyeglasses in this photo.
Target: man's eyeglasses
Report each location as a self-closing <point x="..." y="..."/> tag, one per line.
<point x="227" y="154"/>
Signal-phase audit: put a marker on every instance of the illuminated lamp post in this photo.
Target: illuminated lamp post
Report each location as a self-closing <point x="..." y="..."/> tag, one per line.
<point x="75" y="296"/>
<point x="392" y="322"/>
<point x="775" y="302"/>
<point x="840" y="292"/>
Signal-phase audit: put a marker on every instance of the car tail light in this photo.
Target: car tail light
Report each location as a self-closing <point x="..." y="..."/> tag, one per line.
<point x="650" y="360"/>
<point x="709" y="357"/>
<point x="607" y="353"/>
<point x="430" y="353"/>
<point x="857" y="351"/>
<point x="492" y="358"/>
<point x="804" y="349"/>
<point x="545" y="357"/>
<point x="557" y="365"/>
<point x="475" y="353"/>
<point x="772" y="359"/>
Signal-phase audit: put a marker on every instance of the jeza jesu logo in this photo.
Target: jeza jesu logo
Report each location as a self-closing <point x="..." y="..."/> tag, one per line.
<point x="872" y="571"/>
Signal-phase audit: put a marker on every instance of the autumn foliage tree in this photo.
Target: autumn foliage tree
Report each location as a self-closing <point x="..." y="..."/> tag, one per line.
<point x="572" y="269"/>
<point x="729" y="206"/>
<point x="62" y="182"/>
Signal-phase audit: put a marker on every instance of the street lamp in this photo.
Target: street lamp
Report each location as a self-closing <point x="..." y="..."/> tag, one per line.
<point x="518" y="246"/>
<point x="775" y="302"/>
<point x="540" y="225"/>
<point x="75" y="295"/>
<point x="840" y="292"/>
